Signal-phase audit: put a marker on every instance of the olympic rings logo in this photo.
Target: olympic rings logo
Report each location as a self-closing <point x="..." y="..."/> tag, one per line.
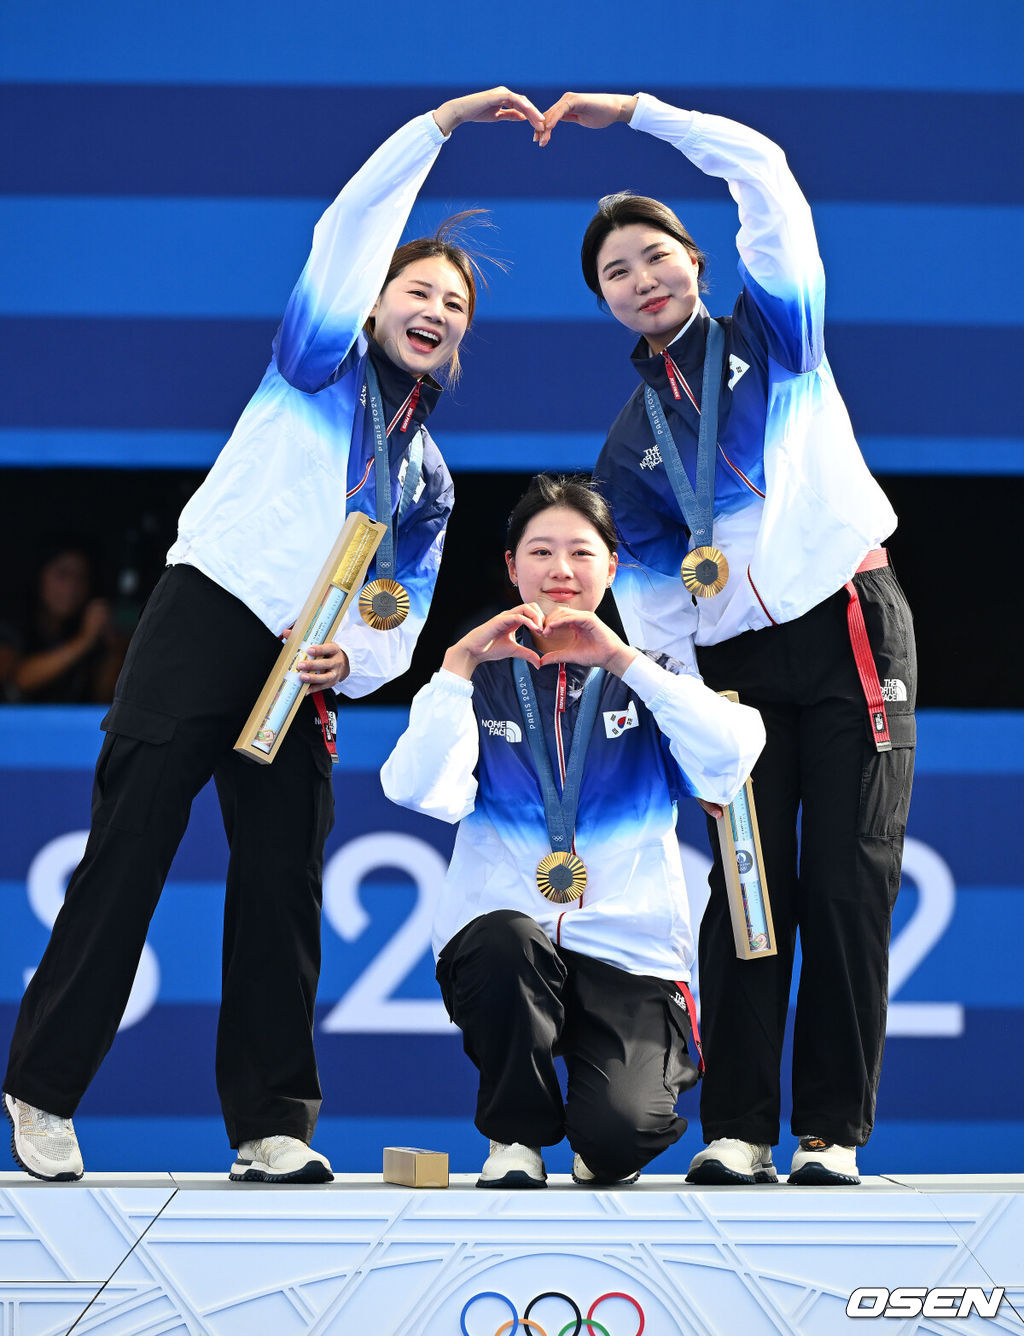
<point x="578" y="1326"/>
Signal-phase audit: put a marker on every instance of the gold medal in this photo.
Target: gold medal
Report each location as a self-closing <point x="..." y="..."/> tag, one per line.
<point x="705" y="571"/>
<point x="561" y="877"/>
<point x="383" y="604"/>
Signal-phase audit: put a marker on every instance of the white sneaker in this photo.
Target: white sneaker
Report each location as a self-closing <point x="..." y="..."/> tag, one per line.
<point x="819" y="1163"/>
<point x="279" y="1159"/>
<point x="44" y="1144"/>
<point x="586" y="1176"/>
<point x="514" y="1166"/>
<point x="728" y="1160"/>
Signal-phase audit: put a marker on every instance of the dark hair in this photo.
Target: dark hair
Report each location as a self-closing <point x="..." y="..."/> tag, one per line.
<point x="573" y="491"/>
<point x="615" y="211"/>
<point x="445" y="244"/>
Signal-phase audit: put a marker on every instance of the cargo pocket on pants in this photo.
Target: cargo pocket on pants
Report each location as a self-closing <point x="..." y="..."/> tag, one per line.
<point x="131" y="765"/>
<point x="885" y="782"/>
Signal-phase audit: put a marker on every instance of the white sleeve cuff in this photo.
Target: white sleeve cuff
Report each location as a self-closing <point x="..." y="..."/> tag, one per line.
<point x="451" y="684"/>
<point x="646" y="678"/>
<point x="434" y="131"/>
<point x="660" y="118"/>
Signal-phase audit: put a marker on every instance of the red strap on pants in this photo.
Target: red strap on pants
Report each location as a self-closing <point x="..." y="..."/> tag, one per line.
<point x="691" y="1011"/>
<point x="326" y="725"/>
<point x="864" y="659"/>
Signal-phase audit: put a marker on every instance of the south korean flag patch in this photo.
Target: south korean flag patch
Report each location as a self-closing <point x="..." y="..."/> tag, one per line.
<point x="617" y="721"/>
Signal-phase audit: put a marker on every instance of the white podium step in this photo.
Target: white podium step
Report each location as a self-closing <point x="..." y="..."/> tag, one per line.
<point x="170" y="1254"/>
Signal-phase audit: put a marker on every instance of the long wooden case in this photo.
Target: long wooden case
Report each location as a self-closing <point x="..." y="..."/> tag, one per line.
<point x="749" y="905"/>
<point x="338" y="584"/>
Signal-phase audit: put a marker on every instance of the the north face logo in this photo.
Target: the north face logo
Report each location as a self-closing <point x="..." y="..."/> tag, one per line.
<point x="503" y="728"/>
<point x="894" y="689"/>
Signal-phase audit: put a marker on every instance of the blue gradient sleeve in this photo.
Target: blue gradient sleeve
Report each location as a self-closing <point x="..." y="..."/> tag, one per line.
<point x="352" y="247"/>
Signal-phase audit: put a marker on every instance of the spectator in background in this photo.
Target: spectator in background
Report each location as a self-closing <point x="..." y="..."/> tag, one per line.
<point x="65" y="648"/>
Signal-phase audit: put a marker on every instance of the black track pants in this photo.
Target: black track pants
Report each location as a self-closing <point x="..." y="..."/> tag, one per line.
<point x="836" y="884"/>
<point x="625" y="1038"/>
<point x="195" y="666"/>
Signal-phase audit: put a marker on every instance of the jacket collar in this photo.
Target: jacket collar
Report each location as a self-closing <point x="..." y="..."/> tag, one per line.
<point x="686" y="351"/>
<point x="397" y="387"/>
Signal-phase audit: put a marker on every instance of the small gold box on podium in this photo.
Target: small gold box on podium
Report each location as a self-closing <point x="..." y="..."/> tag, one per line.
<point x="414" y="1168"/>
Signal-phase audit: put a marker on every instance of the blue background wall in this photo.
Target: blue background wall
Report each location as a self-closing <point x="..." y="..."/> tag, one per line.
<point x="160" y="174"/>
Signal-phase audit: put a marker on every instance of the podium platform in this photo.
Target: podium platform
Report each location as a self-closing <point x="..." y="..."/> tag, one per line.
<point x="170" y="1254"/>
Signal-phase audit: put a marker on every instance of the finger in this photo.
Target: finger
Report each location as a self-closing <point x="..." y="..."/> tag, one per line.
<point x="526" y="109"/>
<point x="530" y="615"/>
<point x="714" y="810"/>
<point x="560" y="110"/>
<point x="530" y="655"/>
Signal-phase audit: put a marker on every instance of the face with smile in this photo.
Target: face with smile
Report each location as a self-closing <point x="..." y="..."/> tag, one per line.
<point x="561" y="561"/>
<point x="422" y="314"/>
<point x="649" y="280"/>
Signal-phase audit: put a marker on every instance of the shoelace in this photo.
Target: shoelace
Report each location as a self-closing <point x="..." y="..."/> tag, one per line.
<point x="48" y="1124"/>
<point x="270" y="1144"/>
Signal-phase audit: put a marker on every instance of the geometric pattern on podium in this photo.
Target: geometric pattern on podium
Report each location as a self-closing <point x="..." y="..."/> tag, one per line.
<point x="192" y="1255"/>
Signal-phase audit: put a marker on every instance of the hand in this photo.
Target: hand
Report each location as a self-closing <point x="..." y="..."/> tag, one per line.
<point x="496" y="104"/>
<point x="571" y="636"/>
<point x="596" y="111"/>
<point x="96" y="623"/>
<point x="714" y="810"/>
<point x="495" y="639"/>
<point x="324" y="666"/>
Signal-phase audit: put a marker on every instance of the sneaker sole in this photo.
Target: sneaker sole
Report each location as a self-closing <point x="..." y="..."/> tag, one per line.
<point x="606" y="1182"/>
<point x="516" y="1178"/>
<point x="813" y="1175"/>
<point x="713" y="1173"/>
<point x="66" y="1177"/>
<point x="313" y="1172"/>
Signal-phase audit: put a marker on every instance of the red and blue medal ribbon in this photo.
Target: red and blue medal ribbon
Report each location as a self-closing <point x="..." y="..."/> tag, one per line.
<point x="559" y="809"/>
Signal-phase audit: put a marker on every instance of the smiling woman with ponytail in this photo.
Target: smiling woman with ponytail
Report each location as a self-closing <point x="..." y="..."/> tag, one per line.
<point x="336" y="424"/>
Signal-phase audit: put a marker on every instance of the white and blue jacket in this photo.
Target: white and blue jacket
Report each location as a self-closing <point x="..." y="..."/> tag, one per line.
<point x="266" y="516"/>
<point x="660" y="735"/>
<point x="796" y="509"/>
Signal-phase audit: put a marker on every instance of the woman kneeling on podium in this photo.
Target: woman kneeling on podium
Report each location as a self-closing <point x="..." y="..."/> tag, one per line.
<point x="562" y="927"/>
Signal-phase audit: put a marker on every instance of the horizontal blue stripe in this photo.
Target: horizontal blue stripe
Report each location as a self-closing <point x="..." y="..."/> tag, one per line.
<point x="196" y="1145"/>
<point x="911" y="1145"/>
<point x="63" y="737"/>
<point x="239" y="258"/>
<point x="164" y="1065"/>
<point x="871" y="44"/>
<point x="524" y="451"/>
<point x="66" y="737"/>
<point x="970" y="965"/>
<point x="252" y="141"/>
<point x="192" y="1145"/>
<point x="196" y="374"/>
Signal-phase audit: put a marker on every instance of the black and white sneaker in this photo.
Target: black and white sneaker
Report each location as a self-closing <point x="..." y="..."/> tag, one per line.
<point x="513" y="1166"/>
<point x="279" y="1159"/>
<point x="44" y="1144"/>
<point x="822" y="1164"/>
<point x="728" y="1161"/>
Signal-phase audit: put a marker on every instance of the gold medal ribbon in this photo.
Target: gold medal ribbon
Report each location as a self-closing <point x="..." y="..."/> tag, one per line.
<point x="561" y="875"/>
<point x="704" y="570"/>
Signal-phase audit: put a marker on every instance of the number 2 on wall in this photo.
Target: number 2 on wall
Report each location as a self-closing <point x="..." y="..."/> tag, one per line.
<point x="369" y="1005"/>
